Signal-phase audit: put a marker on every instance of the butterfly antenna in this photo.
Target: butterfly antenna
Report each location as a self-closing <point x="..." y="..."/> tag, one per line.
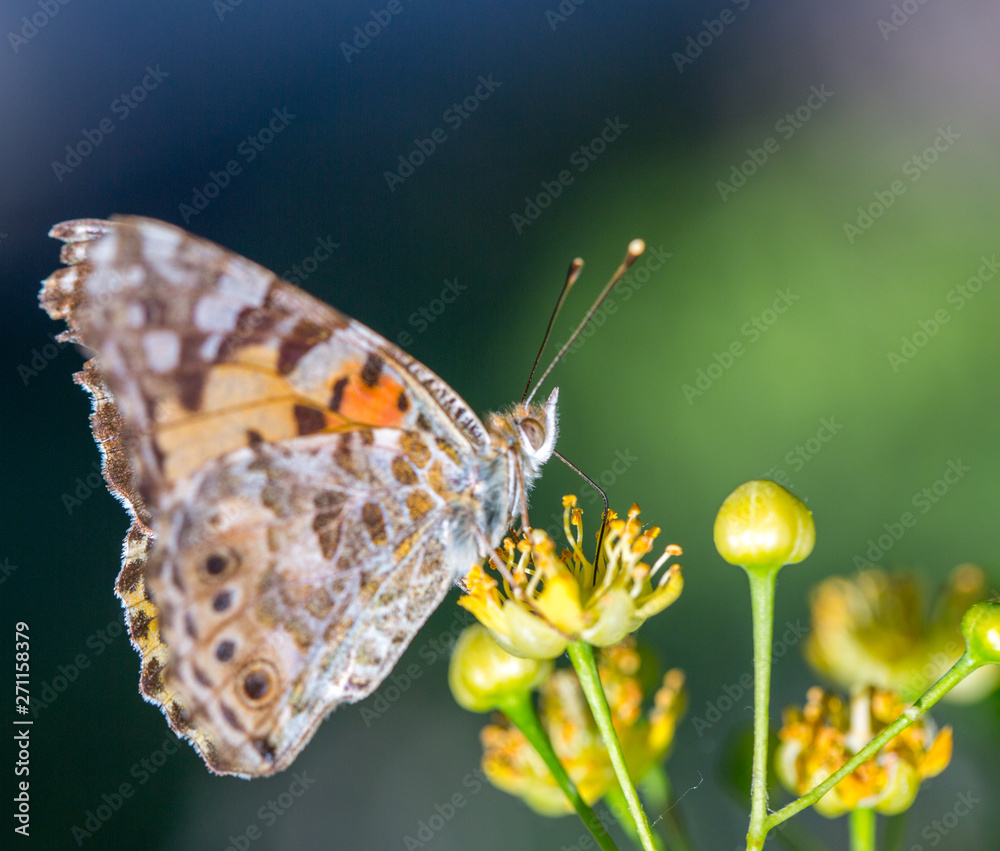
<point x="635" y="249"/>
<point x="574" y="272"/>
<point x="604" y="514"/>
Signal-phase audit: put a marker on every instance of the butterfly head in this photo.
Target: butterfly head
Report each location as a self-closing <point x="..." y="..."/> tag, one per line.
<point x="538" y="427"/>
<point x="530" y="430"/>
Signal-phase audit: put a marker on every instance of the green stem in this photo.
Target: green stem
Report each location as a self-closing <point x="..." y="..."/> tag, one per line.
<point x="863" y="829"/>
<point x="961" y="669"/>
<point x="521" y="711"/>
<point x="581" y="655"/>
<point x="895" y="832"/>
<point x="762" y="604"/>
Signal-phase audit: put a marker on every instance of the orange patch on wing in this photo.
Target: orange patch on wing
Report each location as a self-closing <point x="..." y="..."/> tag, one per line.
<point x="377" y="405"/>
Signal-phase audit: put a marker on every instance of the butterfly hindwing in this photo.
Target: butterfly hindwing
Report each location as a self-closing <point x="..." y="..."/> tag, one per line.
<point x="297" y="590"/>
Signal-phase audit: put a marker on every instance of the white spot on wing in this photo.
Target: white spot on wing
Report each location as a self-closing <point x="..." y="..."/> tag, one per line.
<point x="159" y="242"/>
<point x="112" y="359"/>
<point x="215" y="312"/>
<point x="67" y="280"/>
<point x="244" y="281"/>
<point x="102" y="284"/>
<point x="105" y="249"/>
<point x="210" y="347"/>
<point x="163" y="350"/>
<point x="167" y="268"/>
<point x="135" y="315"/>
<point x="160" y="248"/>
<point x="134" y="275"/>
<point x="315" y="367"/>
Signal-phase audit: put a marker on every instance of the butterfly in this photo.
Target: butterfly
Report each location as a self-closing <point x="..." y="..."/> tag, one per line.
<point x="303" y="493"/>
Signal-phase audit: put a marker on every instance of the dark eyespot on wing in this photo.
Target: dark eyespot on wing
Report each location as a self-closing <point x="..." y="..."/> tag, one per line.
<point x="257" y="684"/>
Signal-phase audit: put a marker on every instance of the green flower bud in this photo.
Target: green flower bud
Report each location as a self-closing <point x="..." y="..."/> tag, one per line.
<point x="481" y="674"/>
<point x="761" y="525"/>
<point x="981" y="629"/>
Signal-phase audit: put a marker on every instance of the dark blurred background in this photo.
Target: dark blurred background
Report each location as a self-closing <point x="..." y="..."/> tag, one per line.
<point x="741" y="139"/>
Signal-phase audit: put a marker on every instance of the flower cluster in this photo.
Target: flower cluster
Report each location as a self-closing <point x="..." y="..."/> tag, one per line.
<point x="826" y="733"/>
<point x="872" y="630"/>
<point x="513" y="765"/>
<point x="557" y="598"/>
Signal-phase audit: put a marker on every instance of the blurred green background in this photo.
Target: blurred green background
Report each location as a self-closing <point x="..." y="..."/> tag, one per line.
<point x="626" y="420"/>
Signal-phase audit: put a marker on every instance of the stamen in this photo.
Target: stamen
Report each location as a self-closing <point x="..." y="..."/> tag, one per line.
<point x="639" y="574"/>
<point x="667" y="575"/>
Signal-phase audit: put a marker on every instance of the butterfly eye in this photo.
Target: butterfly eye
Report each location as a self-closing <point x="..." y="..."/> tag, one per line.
<point x="534" y="431"/>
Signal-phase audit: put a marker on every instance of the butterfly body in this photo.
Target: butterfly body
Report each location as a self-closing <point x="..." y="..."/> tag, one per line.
<point x="303" y="492"/>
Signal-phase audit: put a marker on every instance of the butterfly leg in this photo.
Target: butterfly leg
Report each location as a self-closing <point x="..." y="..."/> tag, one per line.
<point x="523" y="496"/>
<point x="500" y="566"/>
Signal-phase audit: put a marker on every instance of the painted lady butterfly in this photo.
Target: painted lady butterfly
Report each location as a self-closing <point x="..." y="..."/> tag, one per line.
<point x="303" y="493"/>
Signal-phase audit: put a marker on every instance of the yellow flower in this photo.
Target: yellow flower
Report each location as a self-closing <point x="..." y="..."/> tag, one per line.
<point x="817" y="740"/>
<point x="513" y="765"/>
<point x="558" y="598"/>
<point x="872" y="630"/>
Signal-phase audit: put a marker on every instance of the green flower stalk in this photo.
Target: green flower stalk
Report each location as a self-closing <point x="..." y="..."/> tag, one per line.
<point x="483" y="676"/>
<point x="645" y="734"/>
<point x="761" y="527"/>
